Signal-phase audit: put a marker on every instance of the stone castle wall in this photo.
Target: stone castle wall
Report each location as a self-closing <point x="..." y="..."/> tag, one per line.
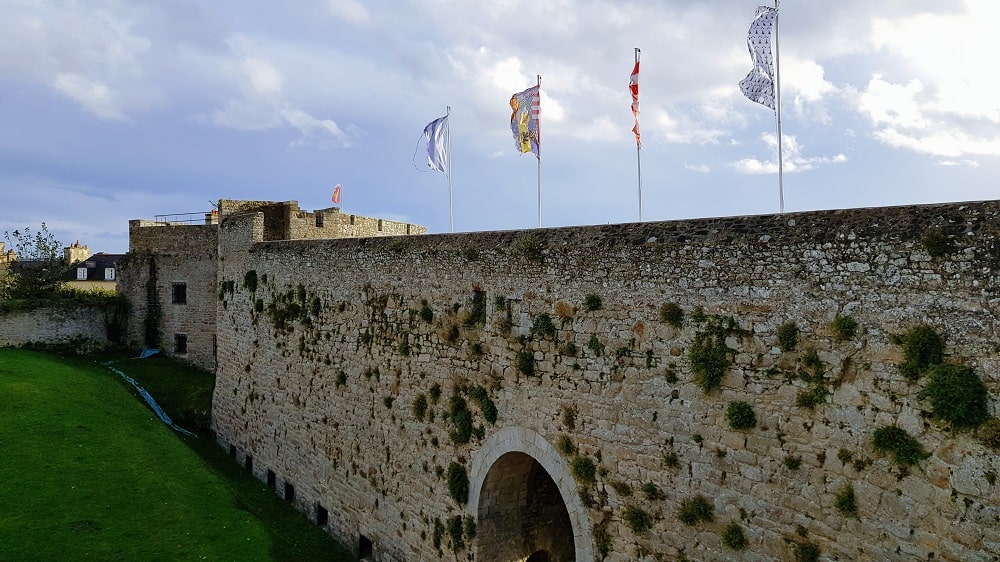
<point x="53" y="325"/>
<point x="162" y="255"/>
<point x="320" y="366"/>
<point x="159" y="257"/>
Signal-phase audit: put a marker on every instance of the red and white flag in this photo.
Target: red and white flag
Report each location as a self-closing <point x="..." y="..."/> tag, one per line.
<point x="633" y="86"/>
<point x="336" y="195"/>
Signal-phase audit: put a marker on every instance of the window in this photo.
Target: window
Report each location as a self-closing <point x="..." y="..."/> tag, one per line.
<point x="319" y="219"/>
<point x="179" y="293"/>
<point x="180" y="344"/>
<point x="322" y="516"/>
<point x="364" y="547"/>
<point x="81" y="274"/>
<point x="271" y="478"/>
<point x="109" y="274"/>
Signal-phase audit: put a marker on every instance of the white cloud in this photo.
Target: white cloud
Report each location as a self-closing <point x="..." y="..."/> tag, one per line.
<point x="792" y="159"/>
<point x="93" y="56"/>
<point x="950" y="106"/>
<point x="966" y="163"/>
<point x="908" y="117"/>
<point x="95" y="96"/>
<point x="601" y="128"/>
<point x="351" y="11"/>
<point x="700" y="168"/>
<point x="683" y="129"/>
<point x="893" y="105"/>
<point x="264" y="78"/>
<point x="324" y="131"/>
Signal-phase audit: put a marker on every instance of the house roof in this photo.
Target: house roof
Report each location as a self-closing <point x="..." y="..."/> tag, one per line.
<point x="95" y="265"/>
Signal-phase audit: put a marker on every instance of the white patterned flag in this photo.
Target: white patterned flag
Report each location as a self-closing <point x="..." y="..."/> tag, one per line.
<point x="525" y="110"/>
<point x="758" y="86"/>
<point x="436" y="135"/>
<point x="633" y="86"/>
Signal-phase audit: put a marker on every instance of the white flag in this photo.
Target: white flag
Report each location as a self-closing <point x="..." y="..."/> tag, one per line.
<point x="758" y="86"/>
<point x="436" y="133"/>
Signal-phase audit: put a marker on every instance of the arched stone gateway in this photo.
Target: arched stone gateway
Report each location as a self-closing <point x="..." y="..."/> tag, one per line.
<point x="525" y="501"/>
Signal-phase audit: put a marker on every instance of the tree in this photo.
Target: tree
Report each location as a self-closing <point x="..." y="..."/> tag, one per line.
<point x="39" y="269"/>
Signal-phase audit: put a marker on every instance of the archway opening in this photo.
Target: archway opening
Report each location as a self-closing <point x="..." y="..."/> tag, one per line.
<point x="521" y="514"/>
<point x="539" y="556"/>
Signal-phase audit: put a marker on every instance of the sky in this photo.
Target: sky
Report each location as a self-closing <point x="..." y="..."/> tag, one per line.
<point x="112" y="110"/>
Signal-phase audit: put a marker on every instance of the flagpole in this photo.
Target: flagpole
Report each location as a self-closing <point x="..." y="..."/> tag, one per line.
<point x="539" y="144"/>
<point x="777" y="85"/>
<point x="451" y="211"/>
<point x="638" y="151"/>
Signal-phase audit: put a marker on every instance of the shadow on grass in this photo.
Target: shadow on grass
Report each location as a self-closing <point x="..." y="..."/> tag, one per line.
<point x="185" y="393"/>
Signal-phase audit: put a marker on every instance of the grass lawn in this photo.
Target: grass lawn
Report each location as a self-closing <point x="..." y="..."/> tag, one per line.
<point x="88" y="472"/>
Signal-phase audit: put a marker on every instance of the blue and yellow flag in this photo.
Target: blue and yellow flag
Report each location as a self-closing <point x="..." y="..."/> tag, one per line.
<point x="525" y="110"/>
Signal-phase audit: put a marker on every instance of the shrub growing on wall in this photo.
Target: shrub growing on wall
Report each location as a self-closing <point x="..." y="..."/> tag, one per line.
<point x="989" y="433"/>
<point x="956" y="395"/>
<point x="695" y="509"/>
<point x="906" y="450"/>
<point x="602" y="541"/>
<point x="709" y="355"/>
<point x="936" y="243"/>
<point x="806" y="552"/>
<point x="844" y="327"/>
<point x="788" y="336"/>
<point x="733" y="536"/>
<point x="583" y="468"/>
<point x="846" y="502"/>
<point x="672" y="314"/>
<point x="740" y="415"/>
<point x="486" y="405"/>
<point x="592" y="302"/>
<point x="420" y="406"/>
<point x="461" y="417"/>
<point x="458" y="483"/>
<point x="595" y="345"/>
<point x="922" y="347"/>
<point x="543" y="326"/>
<point x="526" y="362"/>
<point x="637" y="519"/>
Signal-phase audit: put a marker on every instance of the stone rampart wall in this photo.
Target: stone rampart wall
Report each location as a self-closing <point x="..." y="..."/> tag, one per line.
<point x="53" y="325"/>
<point x="319" y="369"/>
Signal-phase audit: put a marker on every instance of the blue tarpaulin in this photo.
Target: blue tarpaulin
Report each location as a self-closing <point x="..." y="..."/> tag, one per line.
<point x="149" y="398"/>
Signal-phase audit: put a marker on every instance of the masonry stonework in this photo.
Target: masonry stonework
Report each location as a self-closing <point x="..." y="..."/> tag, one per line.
<point x="362" y="374"/>
<point x="170" y="274"/>
<point x="55" y="325"/>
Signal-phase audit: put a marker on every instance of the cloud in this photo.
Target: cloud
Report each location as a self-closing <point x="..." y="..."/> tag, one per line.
<point x="792" y="159"/>
<point x="92" y="55"/>
<point x="325" y="132"/>
<point x="700" y="168"/>
<point x="351" y="11"/>
<point x="95" y="96"/>
<point x="966" y="163"/>
<point x="907" y="117"/>
<point x="683" y="129"/>
<point x="949" y="106"/>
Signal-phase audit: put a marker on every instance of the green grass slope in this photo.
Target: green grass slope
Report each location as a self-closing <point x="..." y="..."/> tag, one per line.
<point x="87" y="472"/>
